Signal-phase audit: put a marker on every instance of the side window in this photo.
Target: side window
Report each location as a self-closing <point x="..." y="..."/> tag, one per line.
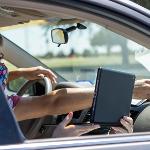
<point x="95" y="47"/>
<point x="86" y="50"/>
<point x="14" y="85"/>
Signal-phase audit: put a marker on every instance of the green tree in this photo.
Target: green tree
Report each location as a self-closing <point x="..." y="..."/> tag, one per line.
<point x="47" y="55"/>
<point x="72" y="53"/>
<point x="86" y="53"/>
<point x="60" y="54"/>
<point x="110" y="39"/>
<point x="144" y="3"/>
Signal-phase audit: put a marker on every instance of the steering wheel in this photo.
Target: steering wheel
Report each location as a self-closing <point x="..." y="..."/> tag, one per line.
<point x="37" y="123"/>
<point x="27" y="84"/>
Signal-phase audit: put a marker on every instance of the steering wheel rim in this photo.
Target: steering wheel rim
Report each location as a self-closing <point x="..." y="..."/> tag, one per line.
<point x="27" y="84"/>
<point x="32" y="132"/>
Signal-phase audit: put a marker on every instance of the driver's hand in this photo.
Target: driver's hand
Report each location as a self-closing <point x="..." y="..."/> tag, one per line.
<point x="34" y="73"/>
<point x="142" y="89"/>
<point x="65" y="130"/>
<point x="127" y="123"/>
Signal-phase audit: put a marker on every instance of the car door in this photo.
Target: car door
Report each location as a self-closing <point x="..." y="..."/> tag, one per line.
<point x="131" y="22"/>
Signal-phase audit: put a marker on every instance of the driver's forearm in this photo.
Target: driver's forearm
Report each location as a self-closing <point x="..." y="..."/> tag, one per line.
<point x="57" y="102"/>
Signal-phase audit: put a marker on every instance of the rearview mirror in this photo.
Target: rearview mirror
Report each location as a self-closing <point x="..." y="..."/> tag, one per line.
<point x="60" y="35"/>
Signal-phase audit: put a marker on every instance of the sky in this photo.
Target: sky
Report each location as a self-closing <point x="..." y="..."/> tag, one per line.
<point x="31" y="39"/>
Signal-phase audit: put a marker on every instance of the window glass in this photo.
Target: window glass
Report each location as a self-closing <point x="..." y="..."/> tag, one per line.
<point x="85" y="51"/>
<point x="14" y="85"/>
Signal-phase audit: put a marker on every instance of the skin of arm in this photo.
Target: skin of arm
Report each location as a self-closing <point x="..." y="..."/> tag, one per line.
<point x="57" y="102"/>
<point x="32" y="73"/>
<point x="142" y="89"/>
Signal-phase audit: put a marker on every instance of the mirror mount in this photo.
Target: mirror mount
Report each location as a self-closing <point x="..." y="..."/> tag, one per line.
<point x="79" y="26"/>
<point x="70" y="29"/>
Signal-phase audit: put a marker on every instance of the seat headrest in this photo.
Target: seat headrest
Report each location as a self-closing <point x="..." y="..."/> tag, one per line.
<point x="142" y="122"/>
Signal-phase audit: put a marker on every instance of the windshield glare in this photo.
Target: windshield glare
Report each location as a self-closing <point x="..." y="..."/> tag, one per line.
<point x="85" y="51"/>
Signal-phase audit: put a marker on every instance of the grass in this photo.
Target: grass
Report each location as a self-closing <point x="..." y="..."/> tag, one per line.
<point x="85" y="61"/>
<point x="81" y="61"/>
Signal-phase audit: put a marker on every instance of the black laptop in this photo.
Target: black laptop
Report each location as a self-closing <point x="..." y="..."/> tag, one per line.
<point x="112" y="97"/>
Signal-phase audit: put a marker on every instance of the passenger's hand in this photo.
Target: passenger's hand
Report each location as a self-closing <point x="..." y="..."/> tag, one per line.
<point x="65" y="130"/>
<point x="142" y="89"/>
<point x="34" y="73"/>
<point x="127" y="123"/>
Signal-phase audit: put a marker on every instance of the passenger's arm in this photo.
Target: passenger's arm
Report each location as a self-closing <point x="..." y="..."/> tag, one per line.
<point x="57" y="102"/>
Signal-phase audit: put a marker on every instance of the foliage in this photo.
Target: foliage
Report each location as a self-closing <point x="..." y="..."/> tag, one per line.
<point x="103" y="59"/>
<point x="110" y="39"/>
<point x="144" y="3"/>
<point x="87" y="53"/>
<point x="47" y="55"/>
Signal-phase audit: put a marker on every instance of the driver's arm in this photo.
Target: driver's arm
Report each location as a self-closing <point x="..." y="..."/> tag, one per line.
<point x="57" y="102"/>
<point x="142" y="89"/>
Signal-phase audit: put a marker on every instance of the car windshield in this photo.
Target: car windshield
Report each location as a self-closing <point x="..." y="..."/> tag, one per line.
<point x="85" y="51"/>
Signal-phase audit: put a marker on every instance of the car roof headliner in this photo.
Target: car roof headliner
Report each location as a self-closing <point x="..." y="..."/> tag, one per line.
<point x="19" y="16"/>
<point x="56" y="13"/>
